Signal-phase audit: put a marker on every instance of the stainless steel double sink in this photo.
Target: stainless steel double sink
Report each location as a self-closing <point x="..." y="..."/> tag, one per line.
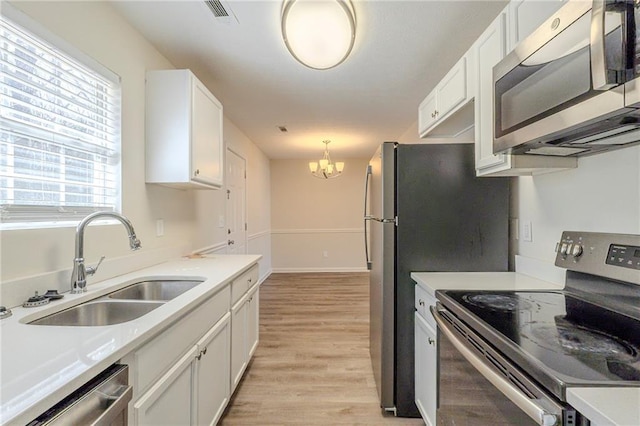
<point x="120" y="306"/>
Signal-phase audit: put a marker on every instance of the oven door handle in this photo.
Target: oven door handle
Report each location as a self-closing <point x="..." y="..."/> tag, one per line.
<point x="537" y="413"/>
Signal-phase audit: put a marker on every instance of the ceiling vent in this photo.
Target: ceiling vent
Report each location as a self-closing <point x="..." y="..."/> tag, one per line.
<point x="221" y="11"/>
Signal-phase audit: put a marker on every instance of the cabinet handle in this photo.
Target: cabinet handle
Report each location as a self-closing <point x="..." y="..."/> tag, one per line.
<point x="231" y="242"/>
<point x="433" y="114"/>
<point x="431" y="341"/>
<point x="199" y="356"/>
<point x="250" y="279"/>
<point x="420" y="302"/>
<point x="204" y="352"/>
<point x="437" y="112"/>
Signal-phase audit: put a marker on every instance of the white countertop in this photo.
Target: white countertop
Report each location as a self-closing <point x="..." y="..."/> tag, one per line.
<point x="39" y="364"/>
<point x="602" y="406"/>
<point x="607" y="406"/>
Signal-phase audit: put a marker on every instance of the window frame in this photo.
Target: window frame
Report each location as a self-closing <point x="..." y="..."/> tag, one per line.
<point x="39" y="217"/>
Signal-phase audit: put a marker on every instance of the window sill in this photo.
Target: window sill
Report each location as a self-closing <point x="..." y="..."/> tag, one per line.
<point x="51" y="225"/>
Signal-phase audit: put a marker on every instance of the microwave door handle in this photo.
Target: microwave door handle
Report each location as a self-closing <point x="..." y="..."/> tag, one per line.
<point x="537" y="413"/>
<point x="602" y="77"/>
<point x="366" y="216"/>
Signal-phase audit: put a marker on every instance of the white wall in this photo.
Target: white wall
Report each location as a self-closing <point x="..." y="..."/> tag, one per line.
<point x="211" y="204"/>
<point x="601" y="195"/>
<point x="310" y="216"/>
<point x="44" y="256"/>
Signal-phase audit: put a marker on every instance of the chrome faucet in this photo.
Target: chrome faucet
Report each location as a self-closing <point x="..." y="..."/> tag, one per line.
<point x="80" y="272"/>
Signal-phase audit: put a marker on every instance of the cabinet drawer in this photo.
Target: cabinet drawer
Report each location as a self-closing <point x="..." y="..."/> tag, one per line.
<point x="243" y="283"/>
<point x="157" y="356"/>
<point x="423" y="301"/>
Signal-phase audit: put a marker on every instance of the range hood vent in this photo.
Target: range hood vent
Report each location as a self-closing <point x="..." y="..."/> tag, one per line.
<point x="221" y="11"/>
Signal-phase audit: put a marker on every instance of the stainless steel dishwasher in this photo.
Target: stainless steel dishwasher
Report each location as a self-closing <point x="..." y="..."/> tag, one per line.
<point x="102" y="401"/>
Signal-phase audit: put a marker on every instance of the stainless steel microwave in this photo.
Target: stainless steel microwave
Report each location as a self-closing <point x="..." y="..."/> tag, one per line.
<point x="572" y="87"/>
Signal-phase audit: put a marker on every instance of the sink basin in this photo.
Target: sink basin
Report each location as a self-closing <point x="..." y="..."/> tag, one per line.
<point x="161" y="290"/>
<point x="98" y="313"/>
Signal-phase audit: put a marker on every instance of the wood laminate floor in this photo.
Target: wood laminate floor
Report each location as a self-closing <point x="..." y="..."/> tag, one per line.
<point x="312" y="364"/>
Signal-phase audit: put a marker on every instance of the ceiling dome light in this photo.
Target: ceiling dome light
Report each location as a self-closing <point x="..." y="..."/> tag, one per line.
<point x="319" y="33"/>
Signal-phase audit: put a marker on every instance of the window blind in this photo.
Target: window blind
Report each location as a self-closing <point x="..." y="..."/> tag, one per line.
<point x="59" y="133"/>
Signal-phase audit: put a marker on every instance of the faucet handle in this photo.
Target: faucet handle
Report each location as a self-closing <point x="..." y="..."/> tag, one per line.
<point x="90" y="270"/>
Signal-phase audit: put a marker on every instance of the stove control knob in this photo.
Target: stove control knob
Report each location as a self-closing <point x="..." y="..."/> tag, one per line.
<point x="548" y="419"/>
<point x="577" y="250"/>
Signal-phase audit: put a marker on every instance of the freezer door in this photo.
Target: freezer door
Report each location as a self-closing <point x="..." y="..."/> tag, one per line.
<point x="381" y="278"/>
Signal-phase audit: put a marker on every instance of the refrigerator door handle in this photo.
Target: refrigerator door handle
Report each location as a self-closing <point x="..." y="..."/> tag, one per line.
<point x="377" y="219"/>
<point x="366" y="216"/>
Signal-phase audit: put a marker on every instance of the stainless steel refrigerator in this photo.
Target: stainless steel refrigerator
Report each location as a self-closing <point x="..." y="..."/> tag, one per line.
<point x="425" y="210"/>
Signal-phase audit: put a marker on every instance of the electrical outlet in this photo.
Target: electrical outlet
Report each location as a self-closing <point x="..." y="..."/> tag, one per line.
<point x="159" y="228"/>
<point x="221" y="221"/>
<point x="527" y="231"/>
<point x="515" y="234"/>
<point x="325" y="253"/>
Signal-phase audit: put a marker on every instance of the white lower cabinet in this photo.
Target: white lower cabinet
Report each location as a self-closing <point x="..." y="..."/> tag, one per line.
<point x="426" y="357"/>
<point x="426" y="370"/>
<point x="211" y="373"/>
<point x="168" y="402"/>
<point x="188" y="372"/>
<point x="238" y="331"/>
<point x="253" y="321"/>
<point x="244" y="333"/>
<point x="195" y="391"/>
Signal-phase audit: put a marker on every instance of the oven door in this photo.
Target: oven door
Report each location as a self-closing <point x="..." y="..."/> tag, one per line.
<point x="478" y="386"/>
<point x="568" y="73"/>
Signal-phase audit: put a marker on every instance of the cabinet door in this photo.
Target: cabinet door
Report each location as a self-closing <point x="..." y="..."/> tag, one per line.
<point x="253" y="312"/>
<point x="527" y="15"/>
<point x="490" y="49"/>
<point x="238" y="341"/>
<point x="427" y="113"/>
<point x="452" y="90"/>
<point x="207" y="149"/>
<point x="212" y="387"/>
<point x="168" y="401"/>
<point x="426" y="373"/>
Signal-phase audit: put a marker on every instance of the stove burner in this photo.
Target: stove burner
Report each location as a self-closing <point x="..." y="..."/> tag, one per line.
<point x="576" y="340"/>
<point x="500" y="302"/>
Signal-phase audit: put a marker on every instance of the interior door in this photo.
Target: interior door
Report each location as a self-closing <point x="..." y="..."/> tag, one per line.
<point x="236" y="180"/>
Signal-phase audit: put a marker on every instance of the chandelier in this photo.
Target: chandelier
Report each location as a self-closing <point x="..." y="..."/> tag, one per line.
<point x="325" y="168"/>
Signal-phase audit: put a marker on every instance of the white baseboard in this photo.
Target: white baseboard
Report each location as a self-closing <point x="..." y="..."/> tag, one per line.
<point x="264" y="277"/>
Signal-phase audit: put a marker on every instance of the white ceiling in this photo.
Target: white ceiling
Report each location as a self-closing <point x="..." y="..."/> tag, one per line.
<point x="402" y="50"/>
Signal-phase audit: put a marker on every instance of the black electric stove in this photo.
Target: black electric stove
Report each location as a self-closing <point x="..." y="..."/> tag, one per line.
<point x="585" y="335"/>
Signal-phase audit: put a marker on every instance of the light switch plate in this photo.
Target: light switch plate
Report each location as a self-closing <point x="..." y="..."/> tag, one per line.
<point x="159" y="228"/>
<point x="527" y="231"/>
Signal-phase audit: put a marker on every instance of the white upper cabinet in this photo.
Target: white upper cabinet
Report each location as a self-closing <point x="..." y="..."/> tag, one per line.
<point x="184" y="143"/>
<point x="490" y="48"/>
<point x="441" y="113"/>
